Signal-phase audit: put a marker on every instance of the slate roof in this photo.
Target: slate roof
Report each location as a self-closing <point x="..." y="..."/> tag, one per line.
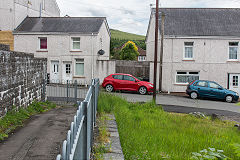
<point x="85" y="25"/>
<point x="201" y="21"/>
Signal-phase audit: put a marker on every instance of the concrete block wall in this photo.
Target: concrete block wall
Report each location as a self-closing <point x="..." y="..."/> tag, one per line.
<point x="6" y="37"/>
<point x="21" y="79"/>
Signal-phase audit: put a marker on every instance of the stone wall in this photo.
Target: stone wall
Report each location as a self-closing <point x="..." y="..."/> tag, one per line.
<point x="21" y="79"/>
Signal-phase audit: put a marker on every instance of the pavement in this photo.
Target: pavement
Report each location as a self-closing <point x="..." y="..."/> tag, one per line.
<point x="179" y="101"/>
<point x="41" y="137"/>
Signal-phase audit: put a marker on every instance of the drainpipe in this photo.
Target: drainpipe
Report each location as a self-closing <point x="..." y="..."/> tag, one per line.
<point x="92" y="58"/>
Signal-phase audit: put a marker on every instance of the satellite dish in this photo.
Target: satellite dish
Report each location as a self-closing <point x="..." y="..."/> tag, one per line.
<point x="101" y="52"/>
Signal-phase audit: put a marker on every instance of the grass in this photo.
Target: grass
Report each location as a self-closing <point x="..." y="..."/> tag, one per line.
<point x="116" y="34"/>
<point x="147" y="132"/>
<point x="15" y="118"/>
<point x="103" y="143"/>
<point x="238" y="104"/>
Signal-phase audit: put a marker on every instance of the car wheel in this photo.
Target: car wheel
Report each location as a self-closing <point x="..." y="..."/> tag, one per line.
<point x="109" y="88"/>
<point x="142" y="90"/>
<point x="194" y="95"/>
<point x="229" y="98"/>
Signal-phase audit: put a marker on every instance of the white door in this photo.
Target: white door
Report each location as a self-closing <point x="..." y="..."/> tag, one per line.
<point x="54" y="76"/>
<point x="234" y="82"/>
<point x="67" y="71"/>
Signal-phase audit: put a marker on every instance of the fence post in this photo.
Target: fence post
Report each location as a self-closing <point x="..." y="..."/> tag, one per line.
<point x="67" y="91"/>
<point x="85" y="129"/>
<point x="75" y="91"/>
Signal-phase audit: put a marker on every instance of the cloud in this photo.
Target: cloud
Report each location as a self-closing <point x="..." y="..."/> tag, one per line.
<point x="132" y="15"/>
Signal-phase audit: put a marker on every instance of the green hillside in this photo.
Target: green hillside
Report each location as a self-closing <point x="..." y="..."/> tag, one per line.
<point x="116" y="34"/>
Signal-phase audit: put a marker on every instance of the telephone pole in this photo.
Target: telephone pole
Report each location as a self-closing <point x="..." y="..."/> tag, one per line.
<point x="156" y="52"/>
<point x="161" y="51"/>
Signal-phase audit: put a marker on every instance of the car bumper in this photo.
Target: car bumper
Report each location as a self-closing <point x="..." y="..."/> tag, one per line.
<point x="236" y="98"/>
<point x="188" y="91"/>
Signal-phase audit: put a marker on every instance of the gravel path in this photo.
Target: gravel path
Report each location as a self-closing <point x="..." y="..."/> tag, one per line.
<point x="41" y="137"/>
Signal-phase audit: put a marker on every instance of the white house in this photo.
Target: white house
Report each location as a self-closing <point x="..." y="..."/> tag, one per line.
<point x="77" y="48"/>
<point x="13" y="12"/>
<point x="199" y="43"/>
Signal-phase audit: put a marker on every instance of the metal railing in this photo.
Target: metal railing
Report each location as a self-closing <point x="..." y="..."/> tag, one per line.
<point x="79" y="138"/>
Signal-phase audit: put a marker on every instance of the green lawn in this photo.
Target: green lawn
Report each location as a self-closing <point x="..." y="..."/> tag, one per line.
<point x="147" y="132"/>
<point x="116" y="34"/>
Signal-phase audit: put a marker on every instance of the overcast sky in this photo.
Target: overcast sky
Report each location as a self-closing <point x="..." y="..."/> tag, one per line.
<point x="131" y="15"/>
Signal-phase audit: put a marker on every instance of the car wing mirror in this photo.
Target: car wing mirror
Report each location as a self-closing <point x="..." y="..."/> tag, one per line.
<point x="220" y="88"/>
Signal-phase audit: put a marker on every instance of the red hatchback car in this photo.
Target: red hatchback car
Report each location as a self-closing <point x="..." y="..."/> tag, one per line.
<point x="126" y="82"/>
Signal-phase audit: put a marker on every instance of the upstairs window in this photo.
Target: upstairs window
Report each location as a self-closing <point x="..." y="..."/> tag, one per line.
<point x="76" y="43"/>
<point x="233" y="50"/>
<point x="43" y="43"/>
<point x="188" y="50"/>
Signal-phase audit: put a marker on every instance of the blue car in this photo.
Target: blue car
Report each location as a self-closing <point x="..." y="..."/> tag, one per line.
<point x="210" y="89"/>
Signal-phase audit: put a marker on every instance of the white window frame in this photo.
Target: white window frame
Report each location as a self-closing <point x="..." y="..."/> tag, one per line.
<point x="81" y="62"/>
<point x="184" y="50"/>
<point x="233" y="47"/>
<point x="39" y="44"/>
<point x="76" y="41"/>
<point x="187" y="73"/>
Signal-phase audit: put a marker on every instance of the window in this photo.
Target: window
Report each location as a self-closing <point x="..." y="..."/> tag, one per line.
<point x="76" y="43"/>
<point x="120" y="77"/>
<point x="68" y="68"/>
<point x="233" y="50"/>
<point x="43" y="43"/>
<point x="188" y="50"/>
<point x="79" y="68"/>
<point x="235" y="81"/>
<point x="128" y="78"/>
<point x="214" y="85"/>
<point x="186" y="77"/>
<point x="202" y="84"/>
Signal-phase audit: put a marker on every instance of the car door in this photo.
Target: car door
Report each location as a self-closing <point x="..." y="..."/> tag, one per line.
<point x="129" y="83"/>
<point x="118" y="82"/>
<point x="202" y="88"/>
<point x="216" y="91"/>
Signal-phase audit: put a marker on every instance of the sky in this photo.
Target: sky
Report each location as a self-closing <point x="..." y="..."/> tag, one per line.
<point x="132" y="15"/>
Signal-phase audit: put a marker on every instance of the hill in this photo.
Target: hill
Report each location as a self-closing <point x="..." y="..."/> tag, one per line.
<point x="116" y="34"/>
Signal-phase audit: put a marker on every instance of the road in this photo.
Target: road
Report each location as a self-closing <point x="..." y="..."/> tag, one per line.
<point x="41" y="137"/>
<point x="177" y="101"/>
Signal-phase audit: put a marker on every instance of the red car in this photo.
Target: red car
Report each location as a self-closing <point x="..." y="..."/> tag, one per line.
<point x="126" y="82"/>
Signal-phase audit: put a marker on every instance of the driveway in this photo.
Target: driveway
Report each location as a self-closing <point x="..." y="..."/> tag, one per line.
<point x="41" y="137"/>
<point x="177" y="101"/>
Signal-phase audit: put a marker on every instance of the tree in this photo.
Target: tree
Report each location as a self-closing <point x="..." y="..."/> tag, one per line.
<point x="129" y="51"/>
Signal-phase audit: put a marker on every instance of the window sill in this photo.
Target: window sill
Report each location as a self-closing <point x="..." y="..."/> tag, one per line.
<point x="79" y="77"/>
<point x="191" y="60"/>
<point x="181" y="84"/>
<point x="42" y="51"/>
<point x="232" y="60"/>
<point x="75" y="51"/>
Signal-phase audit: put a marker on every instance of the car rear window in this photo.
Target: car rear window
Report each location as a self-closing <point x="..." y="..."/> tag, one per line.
<point x="117" y="77"/>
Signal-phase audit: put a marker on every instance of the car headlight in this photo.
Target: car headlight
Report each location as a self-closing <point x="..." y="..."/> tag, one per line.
<point x="150" y="85"/>
<point x="237" y="94"/>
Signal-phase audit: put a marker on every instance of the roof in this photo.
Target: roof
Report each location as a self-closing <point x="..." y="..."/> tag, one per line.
<point x="142" y="52"/>
<point x="85" y="25"/>
<point x="201" y="21"/>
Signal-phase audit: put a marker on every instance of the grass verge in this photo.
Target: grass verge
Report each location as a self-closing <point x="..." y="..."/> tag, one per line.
<point x="147" y="132"/>
<point x="15" y="118"/>
<point x="102" y="144"/>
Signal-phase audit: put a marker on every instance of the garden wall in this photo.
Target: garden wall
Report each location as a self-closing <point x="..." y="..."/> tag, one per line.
<point x="21" y="79"/>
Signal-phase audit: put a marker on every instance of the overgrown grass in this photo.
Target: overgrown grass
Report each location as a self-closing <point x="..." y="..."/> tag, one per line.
<point x="116" y="34"/>
<point x="147" y="132"/>
<point x="15" y="118"/>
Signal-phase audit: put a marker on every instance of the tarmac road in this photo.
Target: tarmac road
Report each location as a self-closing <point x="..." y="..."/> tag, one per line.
<point x="41" y="137"/>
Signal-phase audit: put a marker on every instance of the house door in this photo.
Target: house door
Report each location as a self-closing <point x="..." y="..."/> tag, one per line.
<point x="234" y="82"/>
<point x="54" y="76"/>
<point x="67" y="71"/>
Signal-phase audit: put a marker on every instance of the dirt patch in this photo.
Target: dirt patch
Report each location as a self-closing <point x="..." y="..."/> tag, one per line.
<point x="41" y="137"/>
